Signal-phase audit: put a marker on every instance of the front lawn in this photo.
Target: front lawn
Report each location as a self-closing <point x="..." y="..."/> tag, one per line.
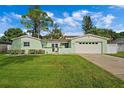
<point x="53" y="71"/>
<point x="119" y="54"/>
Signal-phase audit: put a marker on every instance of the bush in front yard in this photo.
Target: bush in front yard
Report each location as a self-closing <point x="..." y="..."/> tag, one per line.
<point x="16" y="51"/>
<point x="22" y="51"/>
<point x="40" y="51"/>
<point x="31" y="51"/>
<point x="35" y="51"/>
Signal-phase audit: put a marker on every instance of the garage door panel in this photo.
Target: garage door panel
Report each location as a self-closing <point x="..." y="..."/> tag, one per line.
<point x="88" y="48"/>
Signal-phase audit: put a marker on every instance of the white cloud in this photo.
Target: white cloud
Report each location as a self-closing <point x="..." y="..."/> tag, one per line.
<point x="71" y="22"/>
<point x="1" y="35"/>
<point x="116" y="6"/>
<point x="96" y="15"/>
<point x="59" y="20"/>
<point x="67" y="30"/>
<point x="79" y="14"/>
<point x="65" y="14"/>
<point x="24" y="30"/>
<point x="7" y="21"/>
<point x="17" y="16"/>
<point x="12" y="15"/>
<point x="121" y="30"/>
<point x="50" y="14"/>
<point x="74" y="34"/>
<point x="107" y="20"/>
<point x="67" y="20"/>
<point x="118" y="28"/>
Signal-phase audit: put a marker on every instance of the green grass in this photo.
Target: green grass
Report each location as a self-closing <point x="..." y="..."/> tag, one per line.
<point x="53" y="71"/>
<point x="119" y="54"/>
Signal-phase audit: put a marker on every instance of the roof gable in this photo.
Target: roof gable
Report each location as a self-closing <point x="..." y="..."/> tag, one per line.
<point x="105" y="38"/>
<point x="26" y="36"/>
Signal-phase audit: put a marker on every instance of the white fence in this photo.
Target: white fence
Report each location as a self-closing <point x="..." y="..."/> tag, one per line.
<point x="112" y="48"/>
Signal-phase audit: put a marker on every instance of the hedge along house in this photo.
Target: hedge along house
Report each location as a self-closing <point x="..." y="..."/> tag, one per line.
<point x="88" y="44"/>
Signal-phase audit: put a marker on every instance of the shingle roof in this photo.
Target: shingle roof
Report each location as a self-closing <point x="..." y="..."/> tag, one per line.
<point x="3" y="42"/>
<point x="26" y="36"/>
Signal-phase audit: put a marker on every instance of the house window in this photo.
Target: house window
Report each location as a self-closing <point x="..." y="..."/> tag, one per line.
<point x="79" y="42"/>
<point x="26" y="43"/>
<point x="66" y="45"/>
<point x="89" y="42"/>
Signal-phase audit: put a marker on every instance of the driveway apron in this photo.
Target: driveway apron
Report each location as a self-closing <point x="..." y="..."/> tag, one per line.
<point x="114" y="65"/>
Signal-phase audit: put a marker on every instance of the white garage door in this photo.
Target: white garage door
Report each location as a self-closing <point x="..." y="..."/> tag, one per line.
<point x="88" y="47"/>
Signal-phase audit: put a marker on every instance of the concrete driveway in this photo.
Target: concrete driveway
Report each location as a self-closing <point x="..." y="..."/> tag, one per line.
<point x="114" y="65"/>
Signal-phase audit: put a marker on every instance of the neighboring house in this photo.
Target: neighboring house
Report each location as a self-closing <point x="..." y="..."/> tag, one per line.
<point x="89" y="44"/>
<point x="120" y="43"/>
<point x="4" y="46"/>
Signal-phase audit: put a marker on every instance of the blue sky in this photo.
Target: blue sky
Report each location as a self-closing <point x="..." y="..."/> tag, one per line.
<point x="68" y="17"/>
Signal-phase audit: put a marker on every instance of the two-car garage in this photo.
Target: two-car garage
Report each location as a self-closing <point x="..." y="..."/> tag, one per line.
<point x="88" y="47"/>
<point x="90" y="44"/>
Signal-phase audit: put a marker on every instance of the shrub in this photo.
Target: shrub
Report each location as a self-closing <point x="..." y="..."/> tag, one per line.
<point x="40" y="51"/>
<point x="11" y="52"/>
<point x="16" y="52"/>
<point x="35" y="51"/>
<point x="31" y="51"/>
<point x="22" y="51"/>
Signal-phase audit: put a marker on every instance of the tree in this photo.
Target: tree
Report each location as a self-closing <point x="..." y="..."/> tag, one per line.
<point x="12" y="33"/>
<point x="55" y="33"/>
<point x="36" y="20"/>
<point x="121" y="35"/>
<point x="87" y="24"/>
<point x="109" y="33"/>
<point x="88" y="27"/>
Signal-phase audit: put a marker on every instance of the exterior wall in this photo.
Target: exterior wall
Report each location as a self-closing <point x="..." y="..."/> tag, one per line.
<point x="47" y="45"/>
<point x="112" y="48"/>
<point x="120" y="47"/>
<point x="91" y="39"/>
<point x="62" y="49"/>
<point x="8" y="47"/>
<point x="3" y="48"/>
<point x="34" y="44"/>
<point x="66" y="51"/>
<point x="16" y="44"/>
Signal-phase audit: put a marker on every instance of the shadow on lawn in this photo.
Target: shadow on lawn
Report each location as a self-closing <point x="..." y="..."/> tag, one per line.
<point x="15" y="59"/>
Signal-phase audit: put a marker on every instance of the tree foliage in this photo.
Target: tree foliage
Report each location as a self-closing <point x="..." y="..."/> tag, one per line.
<point x="87" y="24"/>
<point x="12" y="33"/>
<point x="36" y="20"/>
<point x="88" y="28"/>
<point x="109" y="33"/>
<point x="121" y="34"/>
<point x="55" y="33"/>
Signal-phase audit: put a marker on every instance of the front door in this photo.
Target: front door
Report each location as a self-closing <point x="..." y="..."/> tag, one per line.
<point x="55" y="48"/>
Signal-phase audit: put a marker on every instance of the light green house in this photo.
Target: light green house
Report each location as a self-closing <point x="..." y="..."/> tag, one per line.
<point x="88" y="44"/>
